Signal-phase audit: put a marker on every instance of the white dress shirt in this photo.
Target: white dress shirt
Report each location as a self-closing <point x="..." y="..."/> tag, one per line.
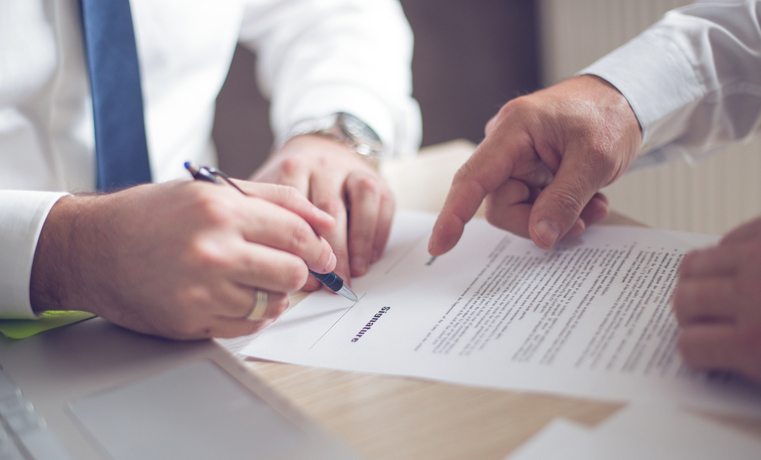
<point x="315" y="57"/>
<point x="693" y="79"/>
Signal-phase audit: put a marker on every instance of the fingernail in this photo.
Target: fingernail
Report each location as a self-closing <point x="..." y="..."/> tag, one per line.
<point x="358" y="265"/>
<point x="331" y="262"/>
<point x="431" y="244"/>
<point x="547" y="232"/>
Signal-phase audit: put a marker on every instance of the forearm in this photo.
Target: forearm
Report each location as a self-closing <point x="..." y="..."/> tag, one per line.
<point x="57" y="281"/>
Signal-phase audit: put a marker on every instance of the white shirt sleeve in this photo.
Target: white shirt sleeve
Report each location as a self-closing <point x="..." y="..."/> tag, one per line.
<point x="320" y="57"/>
<point x="22" y="214"/>
<point x="693" y="79"/>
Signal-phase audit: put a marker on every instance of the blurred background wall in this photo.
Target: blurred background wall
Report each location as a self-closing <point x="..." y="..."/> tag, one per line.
<point x="473" y="56"/>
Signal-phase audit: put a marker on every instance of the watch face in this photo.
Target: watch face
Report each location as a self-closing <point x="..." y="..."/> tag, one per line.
<point x="357" y="128"/>
<point x="360" y="133"/>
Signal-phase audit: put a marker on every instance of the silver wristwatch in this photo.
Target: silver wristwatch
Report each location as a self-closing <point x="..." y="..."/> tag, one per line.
<point x="345" y="128"/>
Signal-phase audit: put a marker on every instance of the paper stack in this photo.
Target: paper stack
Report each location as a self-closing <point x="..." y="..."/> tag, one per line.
<point x="641" y="431"/>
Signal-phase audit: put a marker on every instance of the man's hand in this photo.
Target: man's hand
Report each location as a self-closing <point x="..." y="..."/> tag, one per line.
<point x="339" y="182"/>
<point x="182" y="259"/>
<point x="717" y="302"/>
<point x="544" y="158"/>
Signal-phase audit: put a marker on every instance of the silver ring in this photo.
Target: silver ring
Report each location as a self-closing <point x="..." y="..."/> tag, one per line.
<point x="259" y="308"/>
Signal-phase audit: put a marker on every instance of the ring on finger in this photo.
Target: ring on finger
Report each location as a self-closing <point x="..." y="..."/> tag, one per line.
<point x="259" y="307"/>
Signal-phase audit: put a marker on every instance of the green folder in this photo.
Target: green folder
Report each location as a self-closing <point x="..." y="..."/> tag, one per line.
<point x="23" y="328"/>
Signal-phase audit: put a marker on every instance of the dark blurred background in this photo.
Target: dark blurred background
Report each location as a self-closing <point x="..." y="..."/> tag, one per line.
<point x="470" y="57"/>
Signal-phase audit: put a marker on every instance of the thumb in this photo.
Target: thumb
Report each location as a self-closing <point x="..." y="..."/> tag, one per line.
<point x="560" y="204"/>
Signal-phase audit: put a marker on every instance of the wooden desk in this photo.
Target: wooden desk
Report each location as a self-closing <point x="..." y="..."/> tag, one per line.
<point x="384" y="417"/>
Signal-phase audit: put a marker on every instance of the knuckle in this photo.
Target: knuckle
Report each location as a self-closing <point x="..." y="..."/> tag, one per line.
<point x="208" y="205"/>
<point x="463" y="174"/>
<point x="291" y="166"/>
<point x="330" y="205"/>
<point x="195" y="299"/>
<point x="214" y="210"/>
<point x="369" y="185"/>
<point x="601" y="159"/>
<point x="463" y="179"/>
<point x="322" y="160"/>
<point x="517" y="107"/>
<point x="207" y="255"/>
<point x="287" y="193"/>
<point x="567" y="201"/>
<point x="301" y="237"/>
<point x="295" y="277"/>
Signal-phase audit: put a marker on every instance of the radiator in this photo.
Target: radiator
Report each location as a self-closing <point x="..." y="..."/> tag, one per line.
<point x="713" y="196"/>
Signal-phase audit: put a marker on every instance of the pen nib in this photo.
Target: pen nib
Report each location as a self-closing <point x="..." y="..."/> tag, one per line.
<point x="347" y="292"/>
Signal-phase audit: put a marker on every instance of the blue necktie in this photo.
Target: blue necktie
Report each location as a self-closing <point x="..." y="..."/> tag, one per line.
<point x="121" y="150"/>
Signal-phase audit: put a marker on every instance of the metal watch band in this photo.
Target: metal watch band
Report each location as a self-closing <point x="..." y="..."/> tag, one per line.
<point x="344" y="128"/>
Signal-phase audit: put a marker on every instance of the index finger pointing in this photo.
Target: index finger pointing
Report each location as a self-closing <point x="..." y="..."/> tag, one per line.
<point x="489" y="166"/>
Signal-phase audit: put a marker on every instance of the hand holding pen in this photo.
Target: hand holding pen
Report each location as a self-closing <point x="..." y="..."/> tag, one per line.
<point x="330" y="280"/>
<point x="180" y="259"/>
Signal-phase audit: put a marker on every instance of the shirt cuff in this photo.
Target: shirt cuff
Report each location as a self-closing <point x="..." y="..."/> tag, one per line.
<point x="654" y="75"/>
<point x="22" y="215"/>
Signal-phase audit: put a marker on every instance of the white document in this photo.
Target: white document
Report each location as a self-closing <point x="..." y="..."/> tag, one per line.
<point x="641" y="431"/>
<point x="588" y="318"/>
<point x="236" y="345"/>
<point x="560" y="439"/>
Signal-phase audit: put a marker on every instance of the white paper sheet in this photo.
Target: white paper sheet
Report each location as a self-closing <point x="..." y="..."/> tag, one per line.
<point x="641" y="431"/>
<point x="236" y="345"/>
<point x="589" y="318"/>
<point x="560" y="439"/>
